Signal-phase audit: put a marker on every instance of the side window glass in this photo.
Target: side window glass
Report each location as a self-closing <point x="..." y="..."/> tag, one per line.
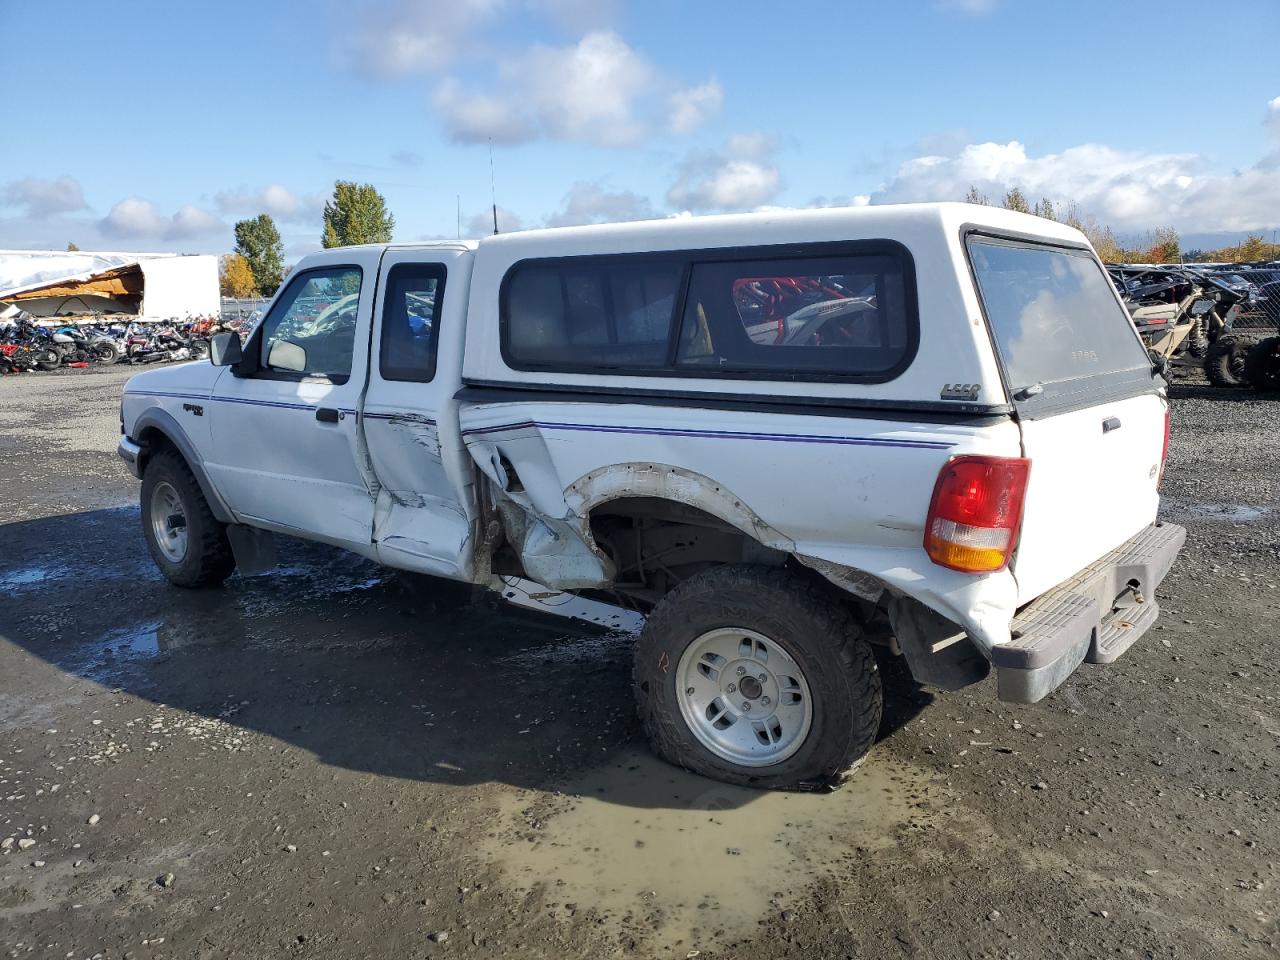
<point x="602" y="315"/>
<point x="411" y="322"/>
<point x="311" y="331"/>
<point x="837" y="315"/>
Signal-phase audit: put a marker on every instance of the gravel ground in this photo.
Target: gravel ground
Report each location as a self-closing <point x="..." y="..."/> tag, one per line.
<point x="335" y="761"/>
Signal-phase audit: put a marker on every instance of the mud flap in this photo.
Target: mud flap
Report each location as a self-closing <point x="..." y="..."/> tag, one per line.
<point x="938" y="651"/>
<point x="254" y="549"/>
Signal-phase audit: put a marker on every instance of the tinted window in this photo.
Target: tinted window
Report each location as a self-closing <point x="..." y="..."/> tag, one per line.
<point x="841" y="316"/>
<point x="1053" y="313"/>
<point x="597" y="314"/>
<point x="410" y="321"/>
<point x="311" y="330"/>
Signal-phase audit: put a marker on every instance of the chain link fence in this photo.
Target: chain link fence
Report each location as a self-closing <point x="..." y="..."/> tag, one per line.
<point x="242" y="310"/>
<point x="1258" y="314"/>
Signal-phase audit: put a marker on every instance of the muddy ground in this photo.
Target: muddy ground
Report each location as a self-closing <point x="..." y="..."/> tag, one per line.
<point x="337" y="762"/>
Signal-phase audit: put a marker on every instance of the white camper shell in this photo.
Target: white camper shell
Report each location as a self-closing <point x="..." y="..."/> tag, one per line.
<point x="782" y="436"/>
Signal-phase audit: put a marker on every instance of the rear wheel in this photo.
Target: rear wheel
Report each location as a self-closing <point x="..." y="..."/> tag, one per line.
<point x="199" y="349"/>
<point x="756" y="677"/>
<point x="47" y="359"/>
<point x="104" y="351"/>
<point x="186" y="541"/>
<point x="1262" y="365"/>
<point x="1224" y="362"/>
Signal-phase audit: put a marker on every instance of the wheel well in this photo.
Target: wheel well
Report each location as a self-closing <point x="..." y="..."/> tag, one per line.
<point x="656" y="544"/>
<point x="153" y="440"/>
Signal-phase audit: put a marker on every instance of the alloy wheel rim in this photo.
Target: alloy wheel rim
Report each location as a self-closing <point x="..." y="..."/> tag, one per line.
<point x="169" y="522"/>
<point x="744" y="696"/>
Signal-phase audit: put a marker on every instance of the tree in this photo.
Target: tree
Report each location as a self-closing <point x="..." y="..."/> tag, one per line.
<point x="258" y="241"/>
<point x="1045" y="209"/>
<point x="71" y="247"/>
<point x="356" y="214"/>
<point x="1163" y="246"/>
<point x="976" y="196"/>
<point x="1015" y="201"/>
<point x="237" y="277"/>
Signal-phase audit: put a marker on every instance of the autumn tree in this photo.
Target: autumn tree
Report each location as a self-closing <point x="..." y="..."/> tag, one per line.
<point x="976" y="196"/>
<point x="357" y="213"/>
<point x="71" y="246"/>
<point x="1163" y="246"/>
<point x="1015" y="201"/>
<point x="258" y="241"/>
<point x="236" y="277"/>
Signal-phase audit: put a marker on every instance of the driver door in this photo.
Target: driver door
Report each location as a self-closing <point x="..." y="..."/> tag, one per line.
<point x="285" y="424"/>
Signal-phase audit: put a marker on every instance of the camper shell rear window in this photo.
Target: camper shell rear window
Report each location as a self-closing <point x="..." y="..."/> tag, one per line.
<point x="839" y="312"/>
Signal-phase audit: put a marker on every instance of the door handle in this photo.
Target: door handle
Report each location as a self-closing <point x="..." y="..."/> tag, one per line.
<point x="327" y="415"/>
<point x="1111" y="423"/>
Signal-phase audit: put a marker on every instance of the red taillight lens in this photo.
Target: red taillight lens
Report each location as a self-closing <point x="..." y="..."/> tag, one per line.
<point x="1164" y="449"/>
<point x="976" y="512"/>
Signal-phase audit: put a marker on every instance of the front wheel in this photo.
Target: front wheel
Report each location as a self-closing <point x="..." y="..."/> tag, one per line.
<point x="186" y="540"/>
<point x="104" y="352"/>
<point x="756" y="677"/>
<point x="199" y="349"/>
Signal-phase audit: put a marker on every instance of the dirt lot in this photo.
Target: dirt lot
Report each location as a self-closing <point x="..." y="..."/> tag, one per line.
<point x="334" y="761"/>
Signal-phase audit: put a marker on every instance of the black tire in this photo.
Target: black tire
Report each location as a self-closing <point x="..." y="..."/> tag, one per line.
<point x="104" y="352"/>
<point x="1262" y="365"/>
<point x="816" y="631"/>
<point x="208" y="559"/>
<point x="47" y="359"/>
<point x="199" y="349"/>
<point x="1224" y="362"/>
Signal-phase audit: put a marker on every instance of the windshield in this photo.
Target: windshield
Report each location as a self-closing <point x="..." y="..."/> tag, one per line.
<point x="1053" y="313"/>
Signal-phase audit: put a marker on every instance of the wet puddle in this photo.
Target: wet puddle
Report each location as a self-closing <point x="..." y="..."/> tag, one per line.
<point x="31" y="577"/>
<point x="1230" y="512"/>
<point x="684" y="862"/>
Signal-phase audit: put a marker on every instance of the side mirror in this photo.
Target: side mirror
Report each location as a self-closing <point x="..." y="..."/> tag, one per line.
<point x="287" y="356"/>
<point x="225" y="350"/>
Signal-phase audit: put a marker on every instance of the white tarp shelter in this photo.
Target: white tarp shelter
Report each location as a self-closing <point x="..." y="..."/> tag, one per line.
<point x="141" y="286"/>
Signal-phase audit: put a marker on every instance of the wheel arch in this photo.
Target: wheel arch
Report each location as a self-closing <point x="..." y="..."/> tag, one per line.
<point x="155" y="430"/>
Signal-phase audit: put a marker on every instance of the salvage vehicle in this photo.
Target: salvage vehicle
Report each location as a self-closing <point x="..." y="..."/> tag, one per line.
<point x="782" y="436"/>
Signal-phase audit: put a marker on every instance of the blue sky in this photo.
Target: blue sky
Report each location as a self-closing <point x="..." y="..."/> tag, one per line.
<point x="149" y="125"/>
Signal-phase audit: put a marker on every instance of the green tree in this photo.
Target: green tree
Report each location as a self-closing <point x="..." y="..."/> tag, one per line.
<point x="258" y="241"/>
<point x="1045" y="209"/>
<point x="976" y="196"/>
<point x="1015" y="201"/>
<point x="71" y="247"/>
<point x="236" y="277"/>
<point x="356" y="214"/>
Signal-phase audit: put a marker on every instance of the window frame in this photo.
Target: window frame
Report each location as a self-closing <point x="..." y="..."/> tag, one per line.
<point x="441" y="276"/>
<point x="670" y="368"/>
<point x="257" y="343"/>
<point x="1066" y="395"/>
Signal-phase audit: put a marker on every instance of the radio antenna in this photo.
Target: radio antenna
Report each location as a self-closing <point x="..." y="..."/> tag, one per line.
<point x="493" y="189"/>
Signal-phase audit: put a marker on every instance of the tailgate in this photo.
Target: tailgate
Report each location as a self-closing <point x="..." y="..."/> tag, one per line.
<point x="1093" y="485"/>
<point x="1088" y="405"/>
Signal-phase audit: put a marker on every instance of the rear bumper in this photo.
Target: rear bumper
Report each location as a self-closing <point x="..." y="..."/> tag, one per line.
<point x="1095" y="616"/>
<point x="131" y="454"/>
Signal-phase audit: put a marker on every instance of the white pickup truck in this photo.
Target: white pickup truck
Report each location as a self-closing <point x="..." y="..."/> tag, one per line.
<point x="782" y="436"/>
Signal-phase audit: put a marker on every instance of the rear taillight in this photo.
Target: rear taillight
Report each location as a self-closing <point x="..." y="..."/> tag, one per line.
<point x="1164" y="449"/>
<point x="976" y="512"/>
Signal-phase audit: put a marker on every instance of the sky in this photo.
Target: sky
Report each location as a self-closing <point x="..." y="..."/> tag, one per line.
<point x="140" y="125"/>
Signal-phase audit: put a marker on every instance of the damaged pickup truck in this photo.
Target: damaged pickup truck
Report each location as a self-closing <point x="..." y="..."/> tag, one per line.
<point x="782" y="436"/>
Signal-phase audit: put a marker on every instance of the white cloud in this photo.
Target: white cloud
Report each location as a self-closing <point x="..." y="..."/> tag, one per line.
<point x="43" y="198"/>
<point x="274" y="199"/>
<point x="598" y="90"/>
<point x="591" y="203"/>
<point x="481" y="224"/>
<point x="740" y="177"/>
<point x="1131" y="190"/>
<point x="1273" y="117"/>
<point x="396" y="38"/>
<point x="586" y="92"/>
<point x="691" y="107"/>
<point x="137" y="219"/>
